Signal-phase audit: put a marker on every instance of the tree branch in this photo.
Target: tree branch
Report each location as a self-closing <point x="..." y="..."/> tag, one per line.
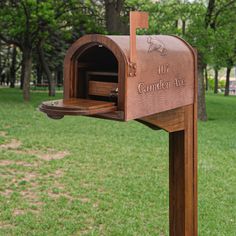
<point x="210" y="9"/>
<point x="119" y="5"/>
<point x="27" y="23"/>
<point x="10" y="41"/>
<point x="223" y="8"/>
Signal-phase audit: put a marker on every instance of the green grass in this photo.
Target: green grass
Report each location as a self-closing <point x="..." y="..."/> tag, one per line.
<point x="114" y="180"/>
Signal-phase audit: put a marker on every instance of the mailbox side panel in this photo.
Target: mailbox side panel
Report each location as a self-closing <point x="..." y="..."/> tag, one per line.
<point x="165" y="77"/>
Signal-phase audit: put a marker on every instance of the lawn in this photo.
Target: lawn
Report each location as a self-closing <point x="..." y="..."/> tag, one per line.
<point x="84" y="176"/>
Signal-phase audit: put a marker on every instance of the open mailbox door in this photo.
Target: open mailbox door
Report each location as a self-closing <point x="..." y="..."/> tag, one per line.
<point x="58" y="108"/>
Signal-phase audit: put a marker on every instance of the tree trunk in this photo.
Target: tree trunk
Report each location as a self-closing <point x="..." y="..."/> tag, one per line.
<point x="228" y="70"/>
<point x="13" y="68"/>
<point x="59" y="74"/>
<point x="7" y="65"/>
<point x="202" y="115"/>
<point x="216" y="81"/>
<point x="8" y="76"/>
<point x="209" y="14"/>
<point x="0" y="76"/>
<point x="114" y="22"/>
<point x="22" y="74"/>
<point x="39" y="74"/>
<point x="1" y="68"/>
<point x="52" y="87"/>
<point x="176" y="24"/>
<point x="183" y="27"/>
<point x="45" y="67"/>
<point x="27" y="67"/>
<point x="206" y="78"/>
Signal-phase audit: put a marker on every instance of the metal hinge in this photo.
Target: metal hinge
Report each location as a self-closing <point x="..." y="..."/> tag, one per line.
<point x="132" y="71"/>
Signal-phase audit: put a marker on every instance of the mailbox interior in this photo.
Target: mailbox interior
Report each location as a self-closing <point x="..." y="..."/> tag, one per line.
<point x="97" y="74"/>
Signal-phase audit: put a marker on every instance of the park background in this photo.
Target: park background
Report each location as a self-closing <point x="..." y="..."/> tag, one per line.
<point x="81" y="176"/>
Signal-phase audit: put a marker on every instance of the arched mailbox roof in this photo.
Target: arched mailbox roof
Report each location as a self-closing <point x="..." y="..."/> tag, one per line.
<point x="153" y="46"/>
<point x="146" y="44"/>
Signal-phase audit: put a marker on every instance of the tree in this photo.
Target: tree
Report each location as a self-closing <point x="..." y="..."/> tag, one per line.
<point x="222" y="20"/>
<point x="114" y="23"/>
<point x="13" y="67"/>
<point x="116" y="13"/>
<point x="4" y="62"/>
<point x="25" y="23"/>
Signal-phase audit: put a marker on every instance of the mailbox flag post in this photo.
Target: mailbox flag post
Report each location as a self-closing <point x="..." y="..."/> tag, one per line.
<point x="138" y="20"/>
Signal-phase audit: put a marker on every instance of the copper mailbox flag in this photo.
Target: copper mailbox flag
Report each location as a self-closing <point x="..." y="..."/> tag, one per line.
<point x="126" y="85"/>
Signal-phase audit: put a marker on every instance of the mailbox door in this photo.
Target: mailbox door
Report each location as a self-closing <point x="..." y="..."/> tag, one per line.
<point x="94" y="77"/>
<point x="58" y="108"/>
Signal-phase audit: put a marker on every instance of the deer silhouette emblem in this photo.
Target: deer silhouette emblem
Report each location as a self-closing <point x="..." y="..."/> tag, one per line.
<point x="156" y="45"/>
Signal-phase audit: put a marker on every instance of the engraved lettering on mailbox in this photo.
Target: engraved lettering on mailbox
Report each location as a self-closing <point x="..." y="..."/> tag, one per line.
<point x="160" y="85"/>
<point x="179" y="82"/>
<point x="162" y="69"/>
<point x="149" y="88"/>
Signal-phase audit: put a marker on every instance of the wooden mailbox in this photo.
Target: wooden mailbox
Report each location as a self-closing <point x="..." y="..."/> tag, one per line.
<point x="149" y="78"/>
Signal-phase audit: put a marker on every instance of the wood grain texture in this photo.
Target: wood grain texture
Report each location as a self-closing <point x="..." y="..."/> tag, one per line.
<point x="138" y="20"/>
<point x="170" y="121"/>
<point x="102" y="88"/>
<point x="103" y="73"/>
<point x="183" y="178"/>
<point x="76" y="106"/>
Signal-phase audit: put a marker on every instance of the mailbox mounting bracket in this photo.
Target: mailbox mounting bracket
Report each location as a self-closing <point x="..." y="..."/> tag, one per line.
<point x="181" y="124"/>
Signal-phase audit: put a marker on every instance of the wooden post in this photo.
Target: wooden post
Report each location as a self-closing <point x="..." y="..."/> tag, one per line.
<point x="181" y="123"/>
<point x="183" y="178"/>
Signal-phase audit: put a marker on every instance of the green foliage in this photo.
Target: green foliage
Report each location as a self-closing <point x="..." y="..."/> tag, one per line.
<point x="70" y="19"/>
<point x="46" y="26"/>
<point x="216" y="42"/>
<point x="211" y="84"/>
<point x="221" y="84"/>
<point x="28" y="22"/>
